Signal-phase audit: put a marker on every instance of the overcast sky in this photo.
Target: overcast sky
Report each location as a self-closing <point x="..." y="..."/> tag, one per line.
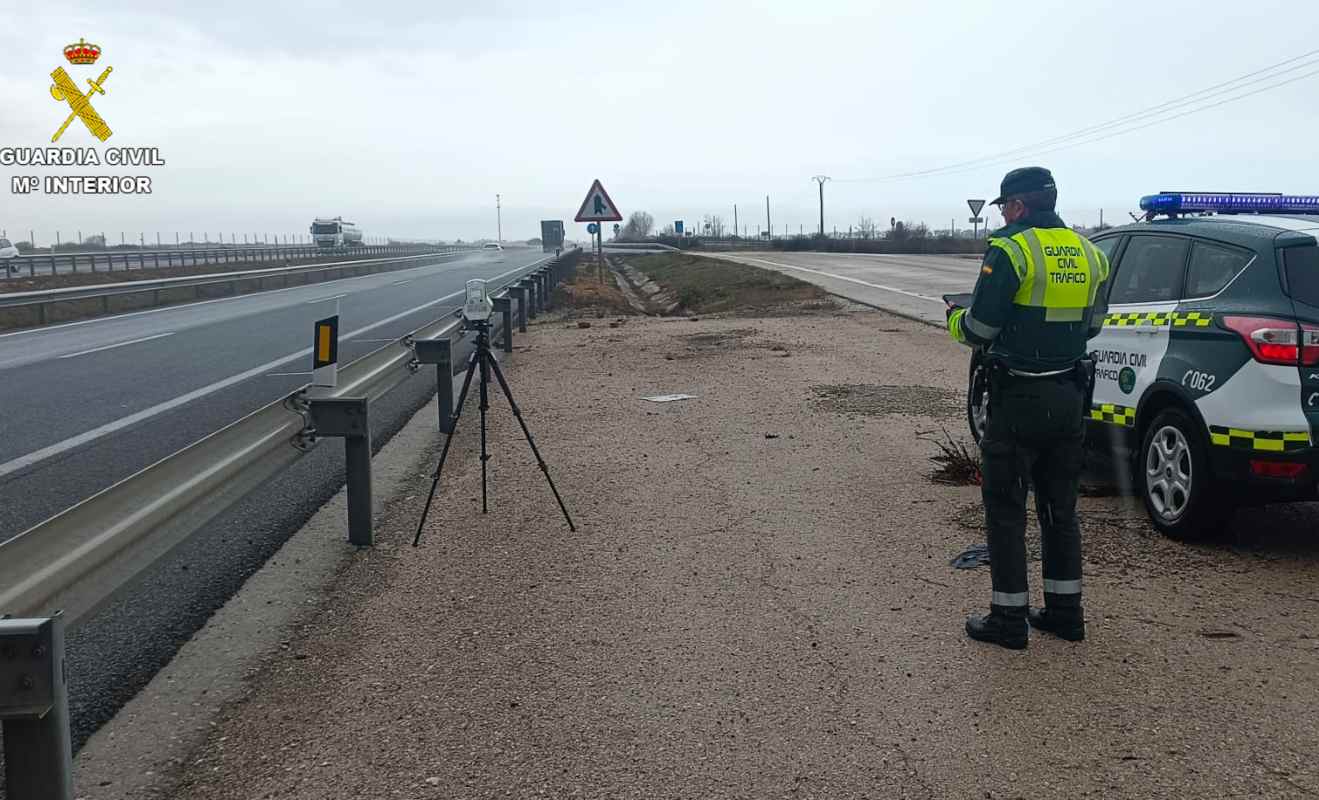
<point x="409" y="117"/>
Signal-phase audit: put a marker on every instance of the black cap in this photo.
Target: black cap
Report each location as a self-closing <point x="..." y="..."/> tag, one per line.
<point x="1023" y="180"/>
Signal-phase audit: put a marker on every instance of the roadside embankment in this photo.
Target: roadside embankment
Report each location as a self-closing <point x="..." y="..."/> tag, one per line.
<point x="682" y="284"/>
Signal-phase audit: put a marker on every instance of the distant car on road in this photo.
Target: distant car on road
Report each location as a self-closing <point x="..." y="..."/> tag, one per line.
<point x="496" y="246"/>
<point x="8" y="252"/>
<point x="1208" y="362"/>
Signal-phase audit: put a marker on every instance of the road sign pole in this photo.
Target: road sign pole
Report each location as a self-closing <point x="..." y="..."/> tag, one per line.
<point x="975" y="206"/>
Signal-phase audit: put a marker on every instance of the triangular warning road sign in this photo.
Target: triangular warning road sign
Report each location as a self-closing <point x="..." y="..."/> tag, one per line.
<point x="975" y="206"/>
<point x="597" y="207"/>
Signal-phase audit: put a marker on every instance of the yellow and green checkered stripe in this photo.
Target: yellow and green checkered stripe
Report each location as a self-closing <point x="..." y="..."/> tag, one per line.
<point x="1114" y="415"/>
<point x="1264" y="441"/>
<point x="1160" y="319"/>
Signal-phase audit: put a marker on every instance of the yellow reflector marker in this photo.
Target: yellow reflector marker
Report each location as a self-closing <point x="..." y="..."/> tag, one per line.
<point x="325" y="352"/>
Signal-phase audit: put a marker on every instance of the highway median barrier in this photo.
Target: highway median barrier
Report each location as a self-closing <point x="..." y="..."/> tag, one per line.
<point x="49" y="306"/>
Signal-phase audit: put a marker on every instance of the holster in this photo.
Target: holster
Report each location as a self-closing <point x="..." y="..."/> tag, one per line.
<point x="1085" y="378"/>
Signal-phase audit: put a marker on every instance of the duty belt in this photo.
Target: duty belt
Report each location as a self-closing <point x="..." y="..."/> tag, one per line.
<point x="1016" y="373"/>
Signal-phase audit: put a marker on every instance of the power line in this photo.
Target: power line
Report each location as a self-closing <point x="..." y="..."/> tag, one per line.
<point x="1123" y="123"/>
<point x="1152" y="123"/>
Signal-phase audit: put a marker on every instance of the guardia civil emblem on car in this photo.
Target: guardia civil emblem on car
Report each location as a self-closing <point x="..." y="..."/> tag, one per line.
<point x="1126" y="380"/>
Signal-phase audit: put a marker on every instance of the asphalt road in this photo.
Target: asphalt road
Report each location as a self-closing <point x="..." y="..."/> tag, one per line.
<point x="86" y="404"/>
<point x="910" y="285"/>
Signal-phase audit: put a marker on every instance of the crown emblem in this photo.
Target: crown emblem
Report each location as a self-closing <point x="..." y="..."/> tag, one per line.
<point x="82" y="52"/>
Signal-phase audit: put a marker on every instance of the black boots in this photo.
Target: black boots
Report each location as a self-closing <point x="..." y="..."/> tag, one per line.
<point x="1005" y="630"/>
<point x="1010" y="630"/>
<point x="1066" y="624"/>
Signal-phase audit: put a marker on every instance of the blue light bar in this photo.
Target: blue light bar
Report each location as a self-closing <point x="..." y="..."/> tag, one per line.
<point x="1229" y="203"/>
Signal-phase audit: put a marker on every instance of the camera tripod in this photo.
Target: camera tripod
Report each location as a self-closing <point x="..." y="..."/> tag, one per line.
<point x="483" y="362"/>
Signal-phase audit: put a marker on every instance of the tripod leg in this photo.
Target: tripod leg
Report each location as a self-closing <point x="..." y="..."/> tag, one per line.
<point x="481" y="355"/>
<point x="444" y="454"/>
<point x="517" y="412"/>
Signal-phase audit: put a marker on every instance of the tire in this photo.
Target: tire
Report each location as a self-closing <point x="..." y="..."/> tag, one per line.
<point x="1172" y="470"/>
<point x="977" y="396"/>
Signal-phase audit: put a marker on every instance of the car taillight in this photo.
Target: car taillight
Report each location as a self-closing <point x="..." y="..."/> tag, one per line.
<point x="1278" y="469"/>
<point x="1309" y="345"/>
<point x="1272" y="341"/>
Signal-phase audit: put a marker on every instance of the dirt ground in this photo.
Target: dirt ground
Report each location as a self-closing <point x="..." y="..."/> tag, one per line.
<point x="758" y="604"/>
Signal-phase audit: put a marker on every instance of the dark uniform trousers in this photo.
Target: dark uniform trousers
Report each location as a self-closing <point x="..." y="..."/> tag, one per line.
<point x="1034" y="435"/>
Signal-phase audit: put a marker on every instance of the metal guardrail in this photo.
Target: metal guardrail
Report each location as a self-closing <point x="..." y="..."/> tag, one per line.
<point x="132" y="258"/>
<point x="77" y="559"/>
<point x="44" y="300"/>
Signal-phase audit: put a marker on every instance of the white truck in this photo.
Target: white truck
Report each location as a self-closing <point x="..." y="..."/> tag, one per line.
<point x="7" y="253"/>
<point x="335" y="232"/>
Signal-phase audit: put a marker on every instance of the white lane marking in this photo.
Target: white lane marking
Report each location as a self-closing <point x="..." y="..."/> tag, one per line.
<point x="400" y="283"/>
<point x="285" y="374"/>
<point x="50" y="451"/>
<point x="323" y="299"/>
<point x="117" y="344"/>
<point x="849" y="280"/>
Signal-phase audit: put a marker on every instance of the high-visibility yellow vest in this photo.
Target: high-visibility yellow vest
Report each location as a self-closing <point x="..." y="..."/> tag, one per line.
<point x="1059" y="270"/>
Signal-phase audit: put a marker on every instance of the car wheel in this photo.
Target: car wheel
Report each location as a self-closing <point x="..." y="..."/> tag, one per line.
<point x="977" y="397"/>
<point x="1176" y="484"/>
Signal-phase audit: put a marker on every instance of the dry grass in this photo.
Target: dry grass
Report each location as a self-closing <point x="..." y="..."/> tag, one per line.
<point x="587" y="295"/>
<point x="956" y="464"/>
<point x="708" y="286"/>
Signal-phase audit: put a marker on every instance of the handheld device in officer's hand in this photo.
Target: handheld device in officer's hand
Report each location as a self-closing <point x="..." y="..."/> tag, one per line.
<point x="952" y="302"/>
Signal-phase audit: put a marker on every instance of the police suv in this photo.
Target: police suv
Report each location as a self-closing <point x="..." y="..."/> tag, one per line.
<point x="1207" y="368"/>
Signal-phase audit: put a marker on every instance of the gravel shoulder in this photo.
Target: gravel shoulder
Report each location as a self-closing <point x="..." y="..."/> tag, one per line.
<point x="758" y="603"/>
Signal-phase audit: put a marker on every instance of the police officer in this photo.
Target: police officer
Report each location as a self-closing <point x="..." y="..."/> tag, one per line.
<point x="1038" y="300"/>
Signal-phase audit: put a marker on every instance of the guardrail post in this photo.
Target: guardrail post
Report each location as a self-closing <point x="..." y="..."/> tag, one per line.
<point x="519" y="293"/>
<point x="440" y="353"/>
<point x="504" y="305"/>
<point x="348" y="418"/>
<point x="539" y="277"/>
<point x="551" y="280"/>
<point x="34" y="707"/>
<point x="530" y="285"/>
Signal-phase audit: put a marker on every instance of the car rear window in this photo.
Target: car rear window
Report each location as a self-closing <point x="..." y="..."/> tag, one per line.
<point x="1302" y="265"/>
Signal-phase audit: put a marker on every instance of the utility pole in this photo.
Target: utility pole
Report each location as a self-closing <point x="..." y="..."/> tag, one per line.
<point x="820" y="179"/>
<point x="769" y="227"/>
<point x="735" y="220"/>
<point x="499" y="219"/>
